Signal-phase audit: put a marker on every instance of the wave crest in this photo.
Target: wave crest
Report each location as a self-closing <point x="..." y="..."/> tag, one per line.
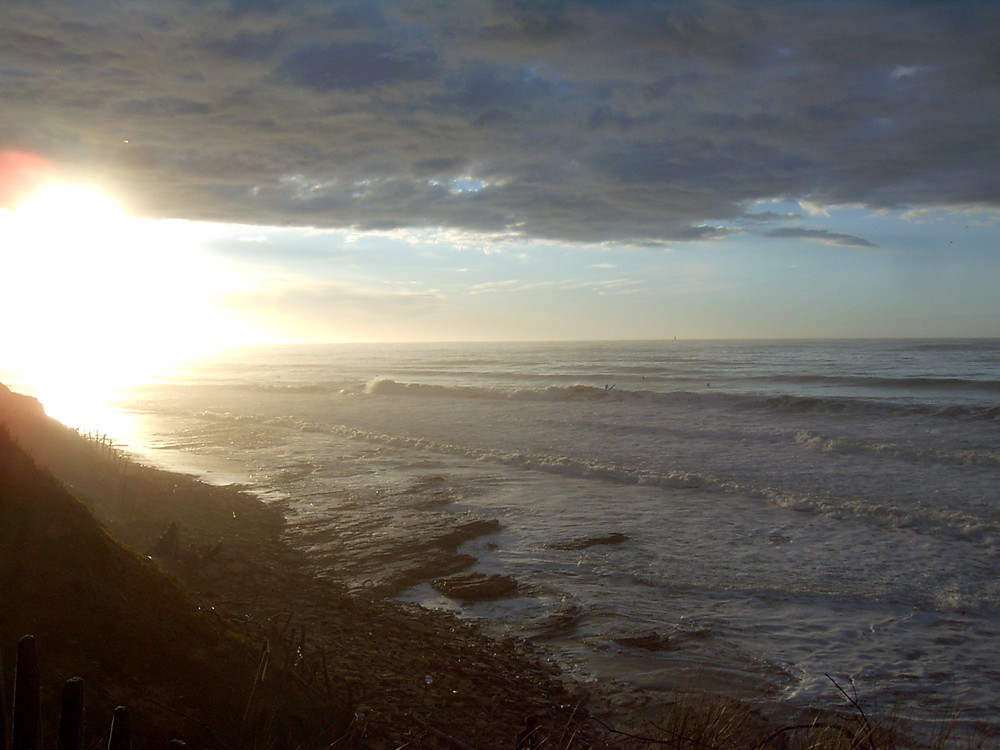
<point x="578" y="392"/>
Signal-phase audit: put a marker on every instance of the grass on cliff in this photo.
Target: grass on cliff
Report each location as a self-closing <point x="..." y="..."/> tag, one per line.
<point x="712" y="723"/>
<point x="101" y="612"/>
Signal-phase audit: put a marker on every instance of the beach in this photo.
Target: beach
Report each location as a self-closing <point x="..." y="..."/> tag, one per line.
<point x="403" y="671"/>
<point x="635" y="528"/>
<point x="787" y="514"/>
<point x="375" y="671"/>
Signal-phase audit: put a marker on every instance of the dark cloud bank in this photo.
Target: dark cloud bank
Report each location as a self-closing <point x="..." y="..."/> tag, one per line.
<point x="581" y="121"/>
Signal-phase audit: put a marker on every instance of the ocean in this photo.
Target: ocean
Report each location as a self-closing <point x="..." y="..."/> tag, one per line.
<point x="791" y="516"/>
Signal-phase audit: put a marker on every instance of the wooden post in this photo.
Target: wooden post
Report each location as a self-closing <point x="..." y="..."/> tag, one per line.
<point x="71" y="716"/>
<point x="121" y="730"/>
<point x="3" y="706"/>
<point x="26" y="721"/>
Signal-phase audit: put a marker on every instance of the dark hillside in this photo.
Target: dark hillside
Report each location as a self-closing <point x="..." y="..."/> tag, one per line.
<point x="135" y="502"/>
<point x="101" y="612"/>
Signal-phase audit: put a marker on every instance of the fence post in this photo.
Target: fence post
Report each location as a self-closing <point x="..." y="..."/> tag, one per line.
<point x="121" y="730"/>
<point x="71" y="716"/>
<point x="3" y="705"/>
<point x="26" y="720"/>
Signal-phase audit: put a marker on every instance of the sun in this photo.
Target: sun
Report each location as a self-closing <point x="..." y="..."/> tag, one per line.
<point x="93" y="300"/>
<point x="79" y="205"/>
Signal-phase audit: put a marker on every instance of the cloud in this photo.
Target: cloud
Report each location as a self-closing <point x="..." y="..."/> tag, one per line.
<point x="974" y="216"/>
<point x="820" y="235"/>
<point x="163" y="106"/>
<point x="584" y="122"/>
<point x="245" y="45"/>
<point x="611" y="286"/>
<point x="330" y="308"/>
<point x="510" y="285"/>
<point x="356" y="65"/>
<point x="813" y="209"/>
<point x="765" y="217"/>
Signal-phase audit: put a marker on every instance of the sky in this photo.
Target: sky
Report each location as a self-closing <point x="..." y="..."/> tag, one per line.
<point x="427" y="170"/>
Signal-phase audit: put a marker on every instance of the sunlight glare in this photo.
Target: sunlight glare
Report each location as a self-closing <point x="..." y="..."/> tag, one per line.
<point x="95" y="301"/>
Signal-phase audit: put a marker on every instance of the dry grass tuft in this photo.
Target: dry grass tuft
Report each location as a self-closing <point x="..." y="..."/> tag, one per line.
<point x="691" y="722"/>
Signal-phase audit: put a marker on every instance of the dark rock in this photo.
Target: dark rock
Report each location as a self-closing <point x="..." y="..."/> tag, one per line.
<point x="590" y="541"/>
<point x="649" y="640"/>
<point x="557" y="623"/>
<point x="467" y="532"/>
<point x="476" y="586"/>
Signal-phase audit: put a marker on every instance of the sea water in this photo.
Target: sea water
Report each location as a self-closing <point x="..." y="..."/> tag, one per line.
<point x="795" y="514"/>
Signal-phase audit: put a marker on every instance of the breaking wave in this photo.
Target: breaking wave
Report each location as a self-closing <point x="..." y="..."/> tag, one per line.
<point x="897" y="449"/>
<point x="611" y="393"/>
